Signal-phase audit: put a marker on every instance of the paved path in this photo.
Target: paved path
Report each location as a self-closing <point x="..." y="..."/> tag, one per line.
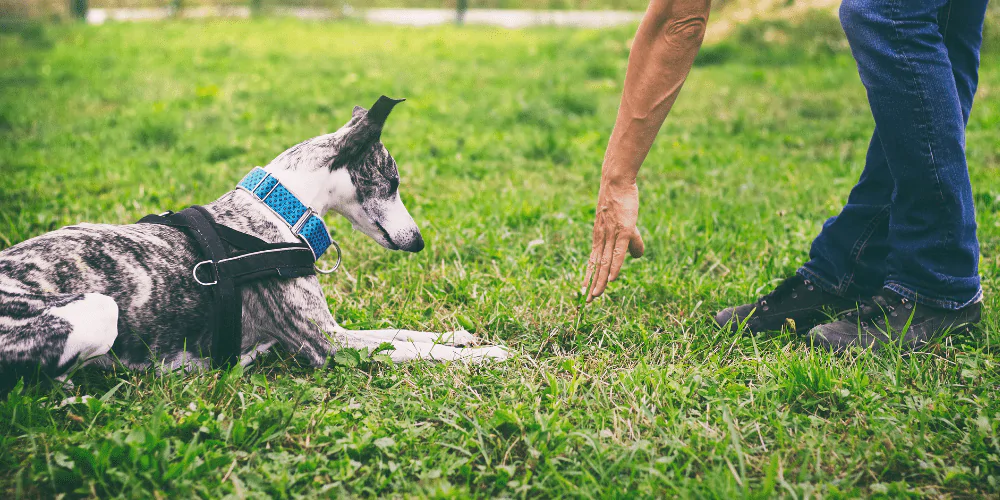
<point x="409" y="17"/>
<point x="504" y="18"/>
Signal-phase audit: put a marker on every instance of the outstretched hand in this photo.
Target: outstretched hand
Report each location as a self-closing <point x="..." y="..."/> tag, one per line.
<point x="662" y="52"/>
<point x="614" y="231"/>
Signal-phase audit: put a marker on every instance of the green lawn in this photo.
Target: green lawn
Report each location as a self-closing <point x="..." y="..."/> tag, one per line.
<point x="499" y="146"/>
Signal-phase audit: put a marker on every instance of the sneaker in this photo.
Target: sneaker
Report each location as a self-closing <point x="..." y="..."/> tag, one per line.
<point x="892" y="318"/>
<point x="796" y="301"/>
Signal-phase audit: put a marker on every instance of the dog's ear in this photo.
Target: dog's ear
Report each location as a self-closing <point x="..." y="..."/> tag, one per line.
<point x="380" y="111"/>
<point x="371" y="121"/>
<point x="364" y="131"/>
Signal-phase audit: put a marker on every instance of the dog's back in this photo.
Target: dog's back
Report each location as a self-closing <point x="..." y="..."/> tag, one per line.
<point x="144" y="269"/>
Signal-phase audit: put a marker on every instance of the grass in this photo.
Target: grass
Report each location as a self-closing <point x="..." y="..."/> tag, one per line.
<point x="499" y="147"/>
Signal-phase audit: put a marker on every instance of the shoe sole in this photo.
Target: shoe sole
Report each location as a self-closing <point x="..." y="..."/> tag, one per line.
<point x="803" y="326"/>
<point x="820" y="342"/>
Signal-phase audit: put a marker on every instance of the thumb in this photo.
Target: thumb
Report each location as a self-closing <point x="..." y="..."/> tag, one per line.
<point x="635" y="245"/>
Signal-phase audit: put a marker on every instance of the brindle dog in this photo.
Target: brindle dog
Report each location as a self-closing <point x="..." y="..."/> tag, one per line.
<point x="126" y="294"/>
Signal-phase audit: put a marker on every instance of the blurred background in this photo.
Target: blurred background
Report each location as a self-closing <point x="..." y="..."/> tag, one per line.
<point x="772" y="18"/>
<point x="196" y="79"/>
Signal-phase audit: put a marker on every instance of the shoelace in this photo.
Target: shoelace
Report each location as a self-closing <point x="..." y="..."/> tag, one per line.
<point x="785" y="288"/>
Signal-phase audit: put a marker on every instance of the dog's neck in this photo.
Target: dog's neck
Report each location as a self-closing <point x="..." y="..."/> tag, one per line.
<point x="319" y="189"/>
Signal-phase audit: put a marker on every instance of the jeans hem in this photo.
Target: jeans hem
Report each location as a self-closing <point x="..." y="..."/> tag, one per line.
<point x="939" y="303"/>
<point x="822" y="283"/>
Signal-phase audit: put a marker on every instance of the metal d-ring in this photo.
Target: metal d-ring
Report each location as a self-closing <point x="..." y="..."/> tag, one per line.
<point x="194" y="272"/>
<point x="340" y="257"/>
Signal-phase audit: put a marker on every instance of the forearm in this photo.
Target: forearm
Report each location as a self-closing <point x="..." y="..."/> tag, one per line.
<point x="663" y="51"/>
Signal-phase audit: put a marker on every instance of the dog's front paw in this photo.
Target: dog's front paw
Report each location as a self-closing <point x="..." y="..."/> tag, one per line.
<point x="458" y="338"/>
<point x="493" y="352"/>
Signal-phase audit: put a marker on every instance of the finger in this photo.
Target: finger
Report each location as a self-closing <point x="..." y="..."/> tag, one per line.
<point x="589" y="274"/>
<point x="618" y="256"/>
<point x="594" y="269"/>
<point x="604" y="267"/>
<point x="595" y="255"/>
<point x="635" y="245"/>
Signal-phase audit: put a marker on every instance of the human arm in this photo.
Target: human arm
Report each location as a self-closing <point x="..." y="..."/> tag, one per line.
<point x="664" y="48"/>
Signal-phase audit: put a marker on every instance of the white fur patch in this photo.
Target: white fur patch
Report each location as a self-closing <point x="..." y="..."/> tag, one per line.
<point x="95" y="326"/>
<point x="144" y="288"/>
<point x="320" y="189"/>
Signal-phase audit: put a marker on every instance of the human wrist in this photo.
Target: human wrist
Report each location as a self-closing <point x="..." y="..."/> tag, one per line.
<point x="614" y="178"/>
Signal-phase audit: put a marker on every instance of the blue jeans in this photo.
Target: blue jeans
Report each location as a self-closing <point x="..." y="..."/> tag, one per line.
<point x="910" y="224"/>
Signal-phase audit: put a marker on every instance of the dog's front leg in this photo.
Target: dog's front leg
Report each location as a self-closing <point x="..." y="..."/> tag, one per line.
<point x="409" y="345"/>
<point x="454" y="338"/>
<point x="411" y="351"/>
<point x="293" y="313"/>
<point x="304" y="325"/>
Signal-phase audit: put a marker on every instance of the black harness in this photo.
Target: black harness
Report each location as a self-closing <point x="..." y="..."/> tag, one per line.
<point x="233" y="259"/>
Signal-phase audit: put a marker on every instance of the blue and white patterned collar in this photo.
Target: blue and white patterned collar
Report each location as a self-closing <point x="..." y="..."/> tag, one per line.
<point x="303" y="221"/>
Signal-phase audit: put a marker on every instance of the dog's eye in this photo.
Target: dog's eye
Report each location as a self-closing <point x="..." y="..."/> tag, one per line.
<point x="393" y="185"/>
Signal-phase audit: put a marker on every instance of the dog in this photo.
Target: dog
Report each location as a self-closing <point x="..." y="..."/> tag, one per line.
<point x="126" y="295"/>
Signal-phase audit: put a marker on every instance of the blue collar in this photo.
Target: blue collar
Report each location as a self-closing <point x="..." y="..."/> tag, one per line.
<point x="303" y="221"/>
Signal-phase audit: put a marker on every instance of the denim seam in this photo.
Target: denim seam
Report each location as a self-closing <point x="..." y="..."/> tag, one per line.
<point x="861" y="244"/>
<point x="950" y="235"/>
<point x="925" y="127"/>
<point x="944" y="32"/>
<point x="924" y="299"/>
<point x="922" y="96"/>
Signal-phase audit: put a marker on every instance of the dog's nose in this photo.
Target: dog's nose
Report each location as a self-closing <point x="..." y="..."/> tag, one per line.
<point x="415" y="244"/>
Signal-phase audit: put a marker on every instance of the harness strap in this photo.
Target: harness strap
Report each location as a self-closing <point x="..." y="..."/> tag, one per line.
<point x="253" y="260"/>
<point x="227" y="320"/>
<point x="228" y="234"/>
<point x="293" y="262"/>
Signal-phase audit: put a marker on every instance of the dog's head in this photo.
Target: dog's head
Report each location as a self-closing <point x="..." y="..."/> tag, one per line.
<point x="353" y="174"/>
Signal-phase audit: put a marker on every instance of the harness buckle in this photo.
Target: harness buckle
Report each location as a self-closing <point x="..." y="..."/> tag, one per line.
<point x="194" y="272"/>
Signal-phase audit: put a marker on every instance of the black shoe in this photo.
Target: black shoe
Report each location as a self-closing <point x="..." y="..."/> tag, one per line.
<point x="884" y="320"/>
<point x="795" y="300"/>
